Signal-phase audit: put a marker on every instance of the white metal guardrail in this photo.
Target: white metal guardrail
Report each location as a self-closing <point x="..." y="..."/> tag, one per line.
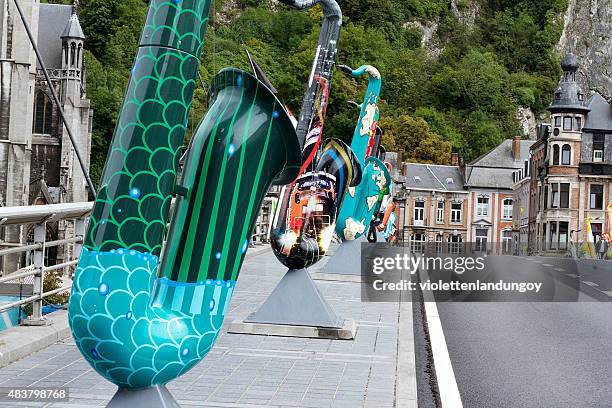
<point x="39" y="216"/>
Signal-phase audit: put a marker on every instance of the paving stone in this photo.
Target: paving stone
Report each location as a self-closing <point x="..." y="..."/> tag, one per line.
<point x="253" y="371"/>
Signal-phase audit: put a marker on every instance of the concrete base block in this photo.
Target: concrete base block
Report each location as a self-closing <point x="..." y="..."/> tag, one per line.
<point x="39" y="322"/>
<point x="346" y="332"/>
<point x="152" y="397"/>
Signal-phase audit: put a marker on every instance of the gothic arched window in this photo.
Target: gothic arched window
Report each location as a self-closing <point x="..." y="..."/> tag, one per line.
<point x="555" y="155"/>
<point x="78" y="58"/>
<point x="72" y="54"/>
<point x="43" y="113"/>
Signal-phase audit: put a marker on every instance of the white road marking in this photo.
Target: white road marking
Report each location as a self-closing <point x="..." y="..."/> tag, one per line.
<point x="445" y="376"/>
<point x="546" y="265"/>
<point x="589" y="283"/>
<point x="607" y="292"/>
<point x="559" y="269"/>
<point x="572" y="275"/>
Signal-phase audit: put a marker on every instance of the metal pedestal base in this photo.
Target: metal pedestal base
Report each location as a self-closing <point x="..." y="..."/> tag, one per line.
<point x="347" y="259"/>
<point x="157" y="396"/>
<point x="296" y="308"/>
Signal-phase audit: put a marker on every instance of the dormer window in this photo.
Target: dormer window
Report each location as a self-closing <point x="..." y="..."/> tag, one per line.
<point x="450" y="180"/>
<point x="417" y="179"/>
<point x="558" y="96"/>
<point x="580" y="96"/>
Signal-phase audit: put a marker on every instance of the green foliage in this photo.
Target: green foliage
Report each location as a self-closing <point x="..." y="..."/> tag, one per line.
<point x="414" y="140"/>
<point x="465" y="98"/>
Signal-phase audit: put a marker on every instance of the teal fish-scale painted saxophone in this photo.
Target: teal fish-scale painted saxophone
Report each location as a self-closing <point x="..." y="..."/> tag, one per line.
<point x="140" y="323"/>
<point x="363" y="201"/>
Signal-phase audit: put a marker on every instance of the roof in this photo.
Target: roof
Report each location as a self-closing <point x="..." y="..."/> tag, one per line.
<point x="600" y="116"/>
<point x="501" y="156"/>
<point x="568" y="95"/>
<point x="433" y="177"/>
<point x="570" y="63"/>
<point x="52" y="20"/>
<point x="488" y="177"/>
<point x="73" y="27"/>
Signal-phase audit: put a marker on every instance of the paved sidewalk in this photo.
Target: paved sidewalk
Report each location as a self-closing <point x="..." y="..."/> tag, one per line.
<point x="262" y="371"/>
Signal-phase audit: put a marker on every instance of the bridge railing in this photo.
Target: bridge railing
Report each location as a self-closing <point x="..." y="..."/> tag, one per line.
<point x="36" y="218"/>
<point x="39" y="216"/>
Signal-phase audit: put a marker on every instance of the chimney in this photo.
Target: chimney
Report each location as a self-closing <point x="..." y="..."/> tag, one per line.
<point x="516" y="148"/>
<point x="454" y="159"/>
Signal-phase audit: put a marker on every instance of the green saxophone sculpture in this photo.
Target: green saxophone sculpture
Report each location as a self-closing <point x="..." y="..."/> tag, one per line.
<point x="141" y="322"/>
<point x="363" y="201"/>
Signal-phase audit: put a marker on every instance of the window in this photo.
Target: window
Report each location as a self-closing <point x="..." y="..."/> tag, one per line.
<point x="566" y="155"/>
<point x="438" y="247"/>
<point x="555" y="155"/>
<point x="72" y="54"/>
<point x="554" y="195"/>
<point x="417" y="179"/>
<point x="507" y="209"/>
<point x="567" y="123"/>
<point x="419" y="212"/>
<point x="553" y="240"/>
<point x="557" y="121"/>
<point x="578" y="123"/>
<point x="564" y="192"/>
<point x="481" y="239"/>
<point x="440" y="212"/>
<point x="506" y="238"/>
<point x="455" y="213"/>
<point x="563" y="228"/>
<point x="596" y="197"/>
<point x="418" y="243"/>
<point x="482" y="206"/>
<point x="43" y="113"/>
<point x="546" y="197"/>
<point x="598" y="147"/>
<point x="454" y="243"/>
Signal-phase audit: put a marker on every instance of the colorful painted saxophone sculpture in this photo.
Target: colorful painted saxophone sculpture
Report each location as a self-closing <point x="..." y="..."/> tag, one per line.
<point x="363" y="201"/>
<point x="139" y="323"/>
<point x="304" y="222"/>
<point x="305" y="218"/>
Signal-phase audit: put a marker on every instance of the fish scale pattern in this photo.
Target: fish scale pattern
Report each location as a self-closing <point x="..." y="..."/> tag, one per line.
<point x="128" y="341"/>
<point x="138" y="180"/>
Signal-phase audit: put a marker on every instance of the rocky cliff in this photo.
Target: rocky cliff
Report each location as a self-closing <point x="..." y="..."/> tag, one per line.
<point x="588" y="34"/>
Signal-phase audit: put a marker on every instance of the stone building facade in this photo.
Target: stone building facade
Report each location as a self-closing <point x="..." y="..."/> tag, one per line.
<point x="461" y="203"/>
<point x="571" y="162"/>
<point x="37" y="161"/>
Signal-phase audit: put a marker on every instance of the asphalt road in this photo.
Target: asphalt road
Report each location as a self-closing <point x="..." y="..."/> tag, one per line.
<point x="536" y="354"/>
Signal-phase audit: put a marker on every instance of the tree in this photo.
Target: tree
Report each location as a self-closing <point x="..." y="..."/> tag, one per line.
<point x="413" y="139"/>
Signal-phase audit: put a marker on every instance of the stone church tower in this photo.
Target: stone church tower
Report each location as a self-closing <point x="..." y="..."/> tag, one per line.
<point x="37" y="161"/>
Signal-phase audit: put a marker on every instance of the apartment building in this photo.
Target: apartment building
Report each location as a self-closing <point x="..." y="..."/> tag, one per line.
<point x="432" y="205"/>
<point x="489" y="180"/>
<point x="571" y="181"/>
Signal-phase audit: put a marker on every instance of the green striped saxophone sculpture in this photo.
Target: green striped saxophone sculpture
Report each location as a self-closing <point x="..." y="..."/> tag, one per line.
<point x="363" y="201"/>
<point x="138" y="322"/>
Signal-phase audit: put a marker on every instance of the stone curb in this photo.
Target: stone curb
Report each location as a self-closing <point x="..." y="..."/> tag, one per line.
<point x="21" y="341"/>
